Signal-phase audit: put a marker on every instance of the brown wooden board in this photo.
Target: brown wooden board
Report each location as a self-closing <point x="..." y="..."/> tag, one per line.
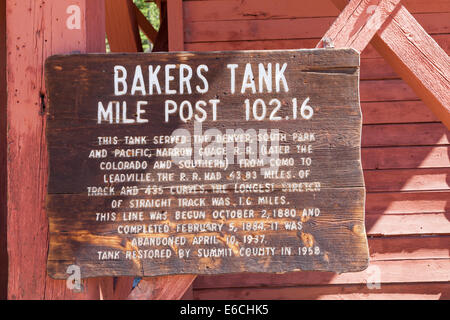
<point x="122" y="202"/>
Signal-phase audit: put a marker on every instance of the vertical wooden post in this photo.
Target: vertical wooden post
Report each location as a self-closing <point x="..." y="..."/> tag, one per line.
<point x="35" y="30"/>
<point x="167" y="287"/>
<point x="3" y="251"/>
<point x="175" y="25"/>
<point x="95" y="26"/>
<point x="162" y="40"/>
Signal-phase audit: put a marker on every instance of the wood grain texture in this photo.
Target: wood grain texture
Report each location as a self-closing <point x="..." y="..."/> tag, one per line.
<point x="403" y="271"/>
<point x="394" y="190"/>
<point x="404" y="158"/>
<point x="357" y="23"/>
<point x="420" y="134"/>
<point x="408" y="224"/>
<point x="175" y="25"/>
<point x="407" y="202"/>
<point x="173" y="42"/>
<point x="430" y="76"/>
<point x="329" y="77"/>
<point x="275" y="29"/>
<point x="284" y="9"/>
<point x="407" y="179"/>
<point x="399" y="112"/>
<point x="95" y="26"/>
<point x="41" y="32"/>
<point x="299" y="43"/>
<point x="3" y="157"/>
<point x="414" y="55"/>
<point x="121" y="26"/>
<point x="409" y="248"/>
<point x="409" y="291"/>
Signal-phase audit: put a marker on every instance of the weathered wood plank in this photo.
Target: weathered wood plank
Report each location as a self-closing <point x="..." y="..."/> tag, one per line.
<point x="397" y="271"/>
<point x="408" y="248"/>
<point x="412" y="134"/>
<point x="396" y="112"/>
<point x="42" y="31"/>
<point x="409" y="291"/>
<point x="328" y="77"/>
<point x="407" y="202"/>
<point x="420" y="61"/>
<point x="284" y="9"/>
<point x="3" y="159"/>
<point x="358" y="23"/>
<point x="405" y="157"/>
<point x="406" y="179"/>
<point x="275" y="29"/>
<point x="95" y="26"/>
<point x="376" y="69"/>
<point x="189" y="294"/>
<point x="175" y="25"/>
<point x="417" y="58"/>
<point x="407" y="224"/>
<point x="369" y="53"/>
<point x="385" y="90"/>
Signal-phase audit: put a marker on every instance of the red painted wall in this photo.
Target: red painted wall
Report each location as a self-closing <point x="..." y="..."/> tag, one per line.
<point x="405" y="149"/>
<point x="3" y="231"/>
<point x="35" y="30"/>
<point x="405" y="154"/>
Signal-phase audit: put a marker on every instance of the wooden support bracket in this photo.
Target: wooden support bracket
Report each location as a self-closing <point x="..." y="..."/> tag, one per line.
<point x="402" y="41"/>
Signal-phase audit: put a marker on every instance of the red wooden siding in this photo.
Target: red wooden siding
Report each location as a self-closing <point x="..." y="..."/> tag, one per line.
<point x="3" y="208"/>
<point x="35" y="30"/>
<point x="405" y="154"/>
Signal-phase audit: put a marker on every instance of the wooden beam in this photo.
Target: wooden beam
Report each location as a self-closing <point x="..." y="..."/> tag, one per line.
<point x="414" y="55"/>
<point x="145" y="25"/>
<point x="175" y="25"/>
<point x="358" y="23"/>
<point x="419" y="60"/>
<point x="121" y="26"/>
<point x="46" y="28"/>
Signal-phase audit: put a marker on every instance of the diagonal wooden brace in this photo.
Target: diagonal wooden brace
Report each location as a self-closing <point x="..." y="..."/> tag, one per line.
<point x="402" y="41"/>
<point x="122" y="26"/>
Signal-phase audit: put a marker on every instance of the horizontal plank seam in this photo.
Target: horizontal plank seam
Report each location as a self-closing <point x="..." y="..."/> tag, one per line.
<point x="347" y="285"/>
<point x="282" y="39"/>
<point x="409" y="191"/>
<point x="374" y="236"/>
<point x="274" y="18"/>
<point x="406" y="214"/>
<point x="405" y="167"/>
<point x="402" y="146"/>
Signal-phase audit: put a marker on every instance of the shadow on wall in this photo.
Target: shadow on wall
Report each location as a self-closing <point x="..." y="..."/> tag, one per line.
<point x="411" y="178"/>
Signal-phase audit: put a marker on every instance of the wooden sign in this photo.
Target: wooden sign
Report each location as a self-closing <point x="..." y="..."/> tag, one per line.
<point x="203" y="163"/>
